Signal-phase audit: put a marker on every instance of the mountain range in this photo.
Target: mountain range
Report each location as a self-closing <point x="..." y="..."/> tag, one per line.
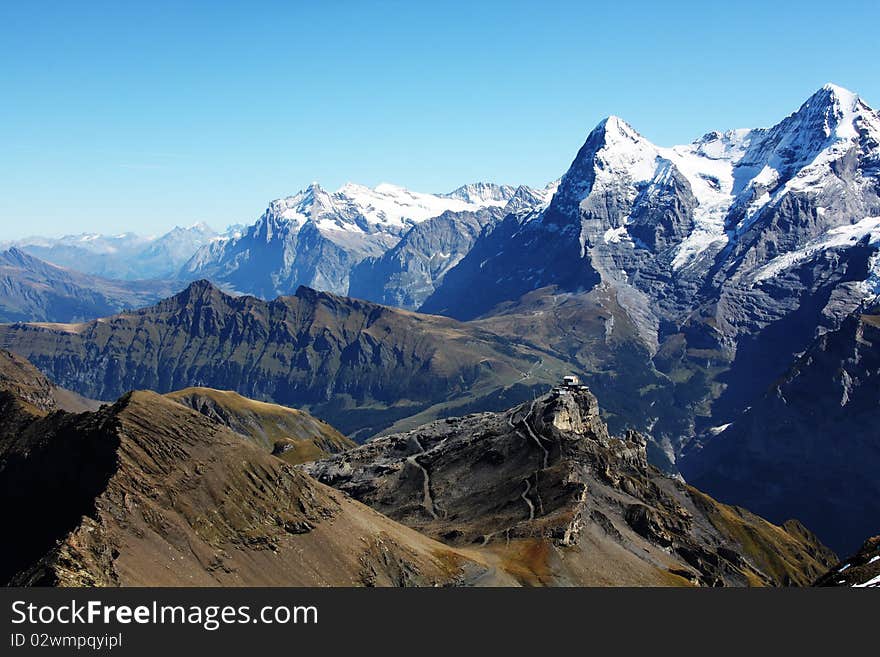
<point x="702" y="291"/>
<point x="361" y="366"/>
<point x="126" y="256"/>
<point x="386" y="243"/>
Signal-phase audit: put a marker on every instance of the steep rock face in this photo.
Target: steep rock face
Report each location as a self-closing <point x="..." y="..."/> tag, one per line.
<point x="809" y="446"/>
<point x="149" y="493"/>
<point x="405" y="275"/>
<point x="359" y="365"/>
<point x="545" y="482"/>
<point x="32" y="290"/>
<point x="315" y="238"/>
<point x="723" y="258"/>
<point x="291" y="434"/>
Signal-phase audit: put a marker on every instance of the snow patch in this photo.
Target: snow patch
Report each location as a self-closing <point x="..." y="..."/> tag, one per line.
<point x="615" y="235"/>
<point x="875" y="581"/>
<point x="720" y="429"/>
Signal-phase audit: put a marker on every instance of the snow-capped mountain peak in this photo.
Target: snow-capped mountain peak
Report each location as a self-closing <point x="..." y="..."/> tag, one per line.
<point x="386" y="207"/>
<point x="483" y="193"/>
<point x="316" y="237"/>
<point x="806" y="149"/>
<point x="614" y="154"/>
<point x="844" y="105"/>
<point x="625" y="150"/>
<point x="828" y="123"/>
<point x="617" y="130"/>
<point x="733" y="175"/>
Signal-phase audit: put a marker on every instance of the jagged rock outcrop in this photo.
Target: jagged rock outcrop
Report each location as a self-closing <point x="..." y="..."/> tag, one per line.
<point x="546" y="488"/>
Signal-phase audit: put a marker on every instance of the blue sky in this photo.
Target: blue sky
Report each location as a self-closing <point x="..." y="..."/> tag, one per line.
<point x="140" y="116"/>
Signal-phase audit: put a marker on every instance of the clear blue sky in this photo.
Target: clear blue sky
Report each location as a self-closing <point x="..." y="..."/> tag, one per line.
<point x="120" y="117"/>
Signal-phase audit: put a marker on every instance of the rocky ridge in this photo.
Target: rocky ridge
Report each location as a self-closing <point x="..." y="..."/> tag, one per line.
<point x="361" y="366"/>
<point x="861" y="570"/>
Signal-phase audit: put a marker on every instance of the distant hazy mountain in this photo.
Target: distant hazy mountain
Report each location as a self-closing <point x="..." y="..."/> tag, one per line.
<point x="316" y="238"/>
<point x="127" y="256"/>
<point x="35" y="291"/>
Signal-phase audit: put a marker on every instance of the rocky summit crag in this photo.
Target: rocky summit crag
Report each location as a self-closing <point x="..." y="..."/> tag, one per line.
<point x="558" y="500"/>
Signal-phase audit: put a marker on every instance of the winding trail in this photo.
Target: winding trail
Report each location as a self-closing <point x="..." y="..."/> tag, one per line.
<point x="544" y="461"/>
<point x="428" y="501"/>
<point x="533" y="435"/>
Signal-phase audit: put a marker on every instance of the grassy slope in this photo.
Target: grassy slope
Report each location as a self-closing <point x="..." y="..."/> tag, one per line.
<point x="271" y="426"/>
